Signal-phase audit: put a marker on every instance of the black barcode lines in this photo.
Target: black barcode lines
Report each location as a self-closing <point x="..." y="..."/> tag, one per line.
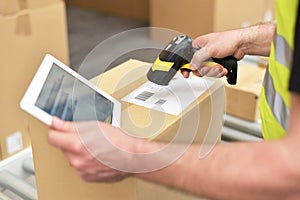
<point x="144" y="95"/>
<point x="160" y="102"/>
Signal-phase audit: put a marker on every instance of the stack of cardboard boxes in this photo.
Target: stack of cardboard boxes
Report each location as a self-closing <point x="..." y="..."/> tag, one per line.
<point x="29" y="29"/>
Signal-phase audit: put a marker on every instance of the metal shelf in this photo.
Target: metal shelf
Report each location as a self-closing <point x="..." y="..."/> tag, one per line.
<point x="14" y="174"/>
<point x="236" y="129"/>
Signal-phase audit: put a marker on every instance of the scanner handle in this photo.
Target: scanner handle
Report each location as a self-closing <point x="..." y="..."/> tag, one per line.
<point x="230" y="63"/>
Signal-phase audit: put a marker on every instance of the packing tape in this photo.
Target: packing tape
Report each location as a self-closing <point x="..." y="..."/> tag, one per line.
<point x="23" y="4"/>
<point x="23" y="26"/>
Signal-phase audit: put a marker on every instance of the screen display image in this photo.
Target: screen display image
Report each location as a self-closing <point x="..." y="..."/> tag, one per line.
<point x="66" y="97"/>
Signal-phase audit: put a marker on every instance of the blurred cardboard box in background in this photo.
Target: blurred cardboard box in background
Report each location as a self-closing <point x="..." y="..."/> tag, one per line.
<point x="242" y="99"/>
<point x="191" y="17"/>
<point x="198" y="17"/>
<point x="29" y="29"/>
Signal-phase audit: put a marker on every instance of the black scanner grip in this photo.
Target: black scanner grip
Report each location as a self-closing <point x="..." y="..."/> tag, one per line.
<point x="230" y="63"/>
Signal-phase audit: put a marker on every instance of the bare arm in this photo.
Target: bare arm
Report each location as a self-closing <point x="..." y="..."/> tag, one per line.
<point x="263" y="170"/>
<point x="257" y="39"/>
<point x="254" y="40"/>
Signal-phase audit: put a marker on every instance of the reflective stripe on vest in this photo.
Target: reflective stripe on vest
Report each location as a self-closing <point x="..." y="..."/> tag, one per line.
<point x="275" y="97"/>
<point x="284" y="53"/>
<point x="276" y="103"/>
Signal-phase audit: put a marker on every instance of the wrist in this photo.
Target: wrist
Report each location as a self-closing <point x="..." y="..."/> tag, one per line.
<point x="151" y="157"/>
<point x="256" y="40"/>
<point x="145" y="156"/>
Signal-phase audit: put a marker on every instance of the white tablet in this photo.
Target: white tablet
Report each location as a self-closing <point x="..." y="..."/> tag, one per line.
<point x="57" y="90"/>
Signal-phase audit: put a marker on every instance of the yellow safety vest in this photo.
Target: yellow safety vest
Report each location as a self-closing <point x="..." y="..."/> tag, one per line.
<point x="275" y="96"/>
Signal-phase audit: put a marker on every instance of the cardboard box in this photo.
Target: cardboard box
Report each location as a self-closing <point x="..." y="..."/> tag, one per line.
<point x="26" y="37"/>
<point x="198" y="17"/>
<point x="242" y="99"/>
<point x="57" y="180"/>
<point x="13" y="6"/>
<point x="136" y="9"/>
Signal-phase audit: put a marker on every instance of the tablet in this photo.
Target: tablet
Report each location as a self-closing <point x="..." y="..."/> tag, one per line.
<point x="57" y="90"/>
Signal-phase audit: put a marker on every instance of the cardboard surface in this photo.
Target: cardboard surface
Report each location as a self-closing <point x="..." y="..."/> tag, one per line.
<point x="26" y="37"/>
<point x="13" y="6"/>
<point x="198" y="17"/>
<point x="136" y="9"/>
<point x="232" y="14"/>
<point x="191" y="17"/>
<point x="138" y="120"/>
<point x="242" y="99"/>
<point x="57" y="180"/>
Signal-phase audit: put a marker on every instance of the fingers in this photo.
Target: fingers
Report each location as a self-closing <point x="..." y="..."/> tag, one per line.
<point x="199" y="42"/>
<point x="61" y="140"/>
<point x="216" y="71"/>
<point x="185" y="73"/>
<point x="198" y="58"/>
<point x="61" y="125"/>
<point x="212" y="71"/>
<point x="104" y="174"/>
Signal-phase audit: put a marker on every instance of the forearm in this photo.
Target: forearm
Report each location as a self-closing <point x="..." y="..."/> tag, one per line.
<point x="231" y="171"/>
<point x="256" y="40"/>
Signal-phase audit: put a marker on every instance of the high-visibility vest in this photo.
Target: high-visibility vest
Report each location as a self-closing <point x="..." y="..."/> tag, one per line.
<point x="275" y="96"/>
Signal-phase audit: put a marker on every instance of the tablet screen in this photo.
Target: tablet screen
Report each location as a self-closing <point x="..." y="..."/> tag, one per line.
<point x="66" y="97"/>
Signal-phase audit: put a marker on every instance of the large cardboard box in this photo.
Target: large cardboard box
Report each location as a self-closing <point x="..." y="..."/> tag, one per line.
<point x="136" y="9"/>
<point x="26" y="36"/>
<point x="242" y="99"/>
<point x="198" y="17"/>
<point x="57" y="180"/>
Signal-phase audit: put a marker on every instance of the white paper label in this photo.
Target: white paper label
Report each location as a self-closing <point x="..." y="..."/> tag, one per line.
<point x="14" y="142"/>
<point x="171" y="99"/>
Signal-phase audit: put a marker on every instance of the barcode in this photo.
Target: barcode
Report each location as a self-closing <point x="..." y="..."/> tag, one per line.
<point x="160" y="102"/>
<point x="144" y="95"/>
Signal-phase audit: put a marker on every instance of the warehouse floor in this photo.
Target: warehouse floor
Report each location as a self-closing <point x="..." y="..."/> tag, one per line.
<point x="88" y="28"/>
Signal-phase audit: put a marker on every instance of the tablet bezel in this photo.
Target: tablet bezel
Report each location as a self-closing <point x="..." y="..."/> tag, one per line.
<point x="31" y="95"/>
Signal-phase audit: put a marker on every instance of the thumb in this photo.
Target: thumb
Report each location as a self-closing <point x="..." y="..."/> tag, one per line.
<point x="62" y="125"/>
<point x="198" y="58"/>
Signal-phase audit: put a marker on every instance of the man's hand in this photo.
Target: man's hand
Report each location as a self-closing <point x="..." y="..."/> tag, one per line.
<point x="103" y="153"/>
<point x="85" y="146"/>
<point x="215" y="45"/>
<point x="254" y="40"/>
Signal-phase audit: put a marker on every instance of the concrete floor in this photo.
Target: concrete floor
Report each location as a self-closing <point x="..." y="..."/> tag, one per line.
<point x="87" y="29"/>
